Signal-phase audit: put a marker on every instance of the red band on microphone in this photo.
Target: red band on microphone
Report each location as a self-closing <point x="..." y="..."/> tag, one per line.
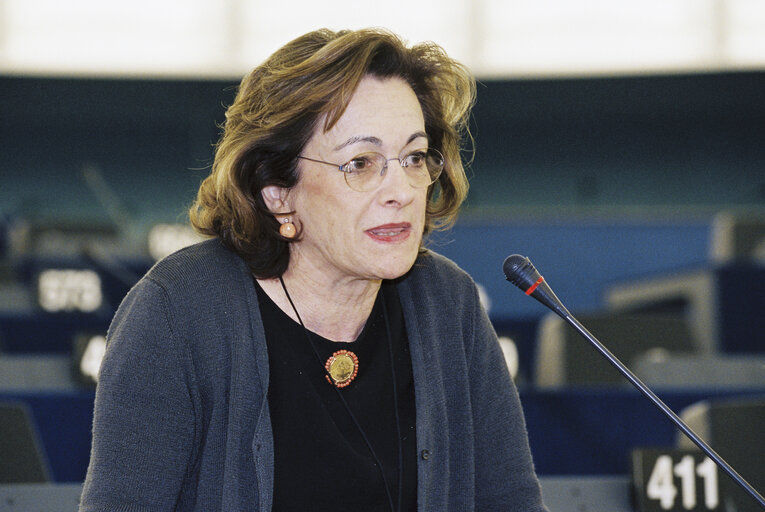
<point x="534" y="286"/>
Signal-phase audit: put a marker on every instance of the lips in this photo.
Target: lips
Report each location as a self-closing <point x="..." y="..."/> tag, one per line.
<point x="390" y="232"/>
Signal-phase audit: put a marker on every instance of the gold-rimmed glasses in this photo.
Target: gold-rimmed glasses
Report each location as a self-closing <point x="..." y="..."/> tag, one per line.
<point x="366" y="171"/>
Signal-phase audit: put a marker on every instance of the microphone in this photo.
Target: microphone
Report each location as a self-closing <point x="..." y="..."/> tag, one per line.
<point x="521" y="272"/>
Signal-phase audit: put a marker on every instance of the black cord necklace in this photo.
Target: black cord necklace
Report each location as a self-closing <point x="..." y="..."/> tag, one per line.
<point x="337" y="387"/>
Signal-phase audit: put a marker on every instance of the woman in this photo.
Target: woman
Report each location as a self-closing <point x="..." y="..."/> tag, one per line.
<point x="312" y="355"/>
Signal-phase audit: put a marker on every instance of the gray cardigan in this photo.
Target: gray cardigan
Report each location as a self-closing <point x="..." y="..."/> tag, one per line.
<point x="181" y="414"/>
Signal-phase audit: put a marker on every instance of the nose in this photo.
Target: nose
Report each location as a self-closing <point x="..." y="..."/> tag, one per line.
<point x="395" y="188"/>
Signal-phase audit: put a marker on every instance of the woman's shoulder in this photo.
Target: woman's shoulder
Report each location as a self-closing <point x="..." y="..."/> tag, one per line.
<point x="202" y="267"/>
<point x="432" y="265"/>
<point x="201" y="288"/>
<point x="436" y="275"/>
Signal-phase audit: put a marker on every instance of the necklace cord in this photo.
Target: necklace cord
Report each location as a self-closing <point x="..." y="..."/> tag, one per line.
<point x="347" y="407"/>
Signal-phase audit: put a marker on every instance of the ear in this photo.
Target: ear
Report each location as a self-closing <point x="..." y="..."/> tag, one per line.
<point x="275" y="198"/>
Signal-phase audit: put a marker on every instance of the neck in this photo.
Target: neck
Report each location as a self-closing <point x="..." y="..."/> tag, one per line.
<point x="336" y="309"/>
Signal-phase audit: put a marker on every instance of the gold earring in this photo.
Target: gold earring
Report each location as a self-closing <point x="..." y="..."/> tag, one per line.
<point x="287" y="229"/>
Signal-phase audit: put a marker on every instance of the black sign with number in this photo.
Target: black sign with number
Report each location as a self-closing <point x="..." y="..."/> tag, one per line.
<point x="666" y="479"/>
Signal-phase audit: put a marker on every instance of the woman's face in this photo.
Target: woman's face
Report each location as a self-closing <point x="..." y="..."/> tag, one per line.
<point x="362" y="235"/>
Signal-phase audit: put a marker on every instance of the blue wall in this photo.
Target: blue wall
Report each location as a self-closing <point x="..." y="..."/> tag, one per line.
<point x="664" y="145"/>
<point x="578" y="258"/>
<point x="662" y="141"/>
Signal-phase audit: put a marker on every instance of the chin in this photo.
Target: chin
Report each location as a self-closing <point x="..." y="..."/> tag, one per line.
<point x="394" y="271"/>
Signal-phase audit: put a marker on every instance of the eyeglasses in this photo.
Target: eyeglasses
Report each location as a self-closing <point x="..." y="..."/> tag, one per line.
<point x="365" y="172"/>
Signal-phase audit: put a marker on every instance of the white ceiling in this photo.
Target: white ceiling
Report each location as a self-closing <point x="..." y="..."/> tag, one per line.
<point x="495" y="38"/>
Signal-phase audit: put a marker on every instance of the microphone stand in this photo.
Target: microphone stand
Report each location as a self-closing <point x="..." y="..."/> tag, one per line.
<point x="521" y="272"/>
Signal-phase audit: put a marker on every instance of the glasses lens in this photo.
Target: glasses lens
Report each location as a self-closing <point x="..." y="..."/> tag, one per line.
<point x="423" y="167"/>
<point x="435" y="161"/>
<point x="364" y="172"/>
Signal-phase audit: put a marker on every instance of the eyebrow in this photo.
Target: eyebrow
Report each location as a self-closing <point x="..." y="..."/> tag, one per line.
<point x="375" y="140"/>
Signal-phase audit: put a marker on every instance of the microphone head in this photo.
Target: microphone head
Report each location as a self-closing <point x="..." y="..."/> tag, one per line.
<point x="521" y="272"/>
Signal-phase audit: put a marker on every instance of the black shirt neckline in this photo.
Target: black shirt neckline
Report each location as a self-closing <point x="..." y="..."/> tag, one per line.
<point x="320" y="458"/>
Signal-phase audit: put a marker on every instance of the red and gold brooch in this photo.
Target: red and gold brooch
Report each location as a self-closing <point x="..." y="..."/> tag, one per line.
<point x="343" y="366"/>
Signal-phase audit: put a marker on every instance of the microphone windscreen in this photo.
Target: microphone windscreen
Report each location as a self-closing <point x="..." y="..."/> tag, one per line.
<point x="520" y="271"/>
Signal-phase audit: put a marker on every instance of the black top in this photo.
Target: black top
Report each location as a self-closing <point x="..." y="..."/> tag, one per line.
<point x="321" y="459"/>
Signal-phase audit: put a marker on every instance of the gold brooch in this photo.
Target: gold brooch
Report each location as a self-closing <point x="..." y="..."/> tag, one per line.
<point x="343" y="366"/>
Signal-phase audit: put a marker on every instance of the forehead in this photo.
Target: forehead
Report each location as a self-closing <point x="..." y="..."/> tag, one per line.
<point x="381" y="110"/>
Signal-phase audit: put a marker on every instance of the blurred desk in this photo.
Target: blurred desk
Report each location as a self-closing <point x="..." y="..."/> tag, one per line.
<point x="561" y="494"/>
<point x="571" y="431"/>
<point x="592" y="431"/>
<point x="40" y="497"/>
<point x="586" y="493"/>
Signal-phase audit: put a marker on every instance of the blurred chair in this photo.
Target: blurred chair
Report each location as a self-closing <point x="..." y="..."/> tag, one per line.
<point x="735" y="429"/>
<point x="564" y="358"/>
<point x="723" y="304"/>
<point x="737" y="237"/>
<point x="661" y="369"/>
<point x="22" y="459"/>
<point x="691" y="294"/>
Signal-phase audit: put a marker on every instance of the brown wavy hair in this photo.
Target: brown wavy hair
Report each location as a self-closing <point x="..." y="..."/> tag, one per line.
<point x="280" y="104"/>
